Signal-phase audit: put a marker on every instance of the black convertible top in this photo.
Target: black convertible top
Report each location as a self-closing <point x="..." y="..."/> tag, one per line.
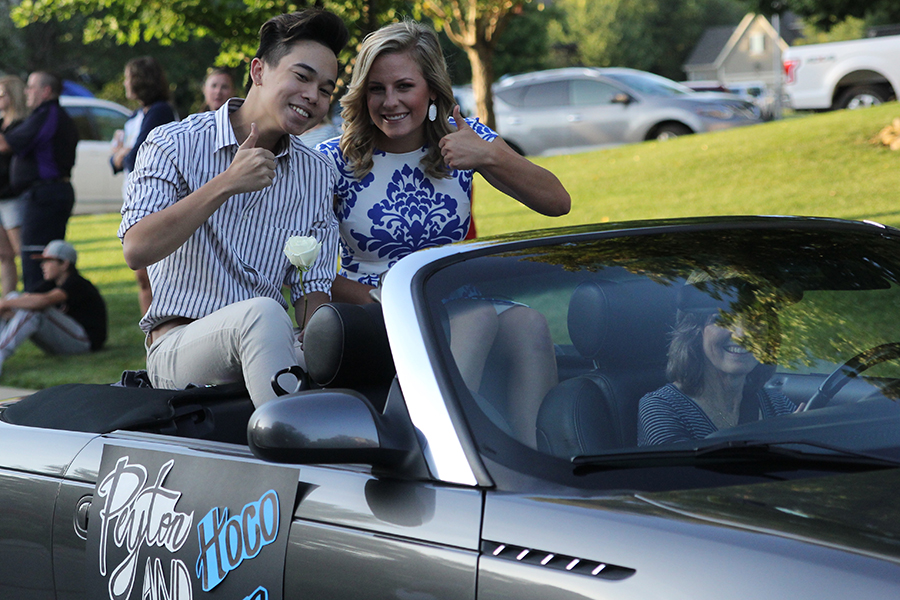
<point x="214" y="412"/>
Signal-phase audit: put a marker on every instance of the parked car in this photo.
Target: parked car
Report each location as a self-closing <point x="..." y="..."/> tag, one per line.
<point x="756" y="92"/>
<point x="96" y="188"/>
<point x="559" y="110"/>
<point x="389" y="478"/>
<point x="465" y="97"/>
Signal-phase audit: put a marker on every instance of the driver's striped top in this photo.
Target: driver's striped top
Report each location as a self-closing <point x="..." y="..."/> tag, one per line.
<point x="668" y="415"/>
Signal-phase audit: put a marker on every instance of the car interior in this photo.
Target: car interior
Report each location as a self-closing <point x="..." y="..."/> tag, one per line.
<point x="612" y="341"/>
<point x="621" y="329"/>
<point x="610" y="326"/>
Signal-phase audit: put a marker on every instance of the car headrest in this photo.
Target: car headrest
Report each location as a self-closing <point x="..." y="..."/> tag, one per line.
<point x="618" y="323"/>
<point x="346" y="345"/>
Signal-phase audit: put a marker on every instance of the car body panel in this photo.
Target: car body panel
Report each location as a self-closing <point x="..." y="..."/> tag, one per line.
<point x="97" y="188"/>
<point x="381" y="566"/>
<point x="33" y="464"/>
<point x="587" y="110"/>
<point x="480" y="515"/>
<point x="621" y="533"/>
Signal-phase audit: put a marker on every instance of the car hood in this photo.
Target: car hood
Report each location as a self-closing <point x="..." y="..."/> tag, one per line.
<point x="857" y="512"/>
<point x="719" y="96"/>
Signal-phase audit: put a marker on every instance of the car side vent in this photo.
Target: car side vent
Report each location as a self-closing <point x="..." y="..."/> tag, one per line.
<point x="560" y="562"/>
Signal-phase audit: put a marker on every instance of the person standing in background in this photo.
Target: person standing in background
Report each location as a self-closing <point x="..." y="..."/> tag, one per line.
<point x="14" y="110"/>
<point x="218" y="87"/>
<point x="145" y="81"/>
<point x="44" y="145"/>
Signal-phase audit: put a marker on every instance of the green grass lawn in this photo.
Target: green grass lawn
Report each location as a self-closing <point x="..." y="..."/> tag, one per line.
<point x="818" y="165"/>
<point x="822" y="165"/>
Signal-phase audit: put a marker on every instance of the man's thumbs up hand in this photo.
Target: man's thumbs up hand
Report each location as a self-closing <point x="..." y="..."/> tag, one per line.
<point x="253" y="168"/>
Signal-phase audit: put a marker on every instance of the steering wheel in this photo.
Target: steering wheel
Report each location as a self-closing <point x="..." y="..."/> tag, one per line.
<point x="850" y="369"/>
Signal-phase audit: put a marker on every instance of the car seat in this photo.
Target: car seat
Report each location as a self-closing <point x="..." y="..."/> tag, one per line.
<point x="346" y="346"/>
<point x="622" y="327"/>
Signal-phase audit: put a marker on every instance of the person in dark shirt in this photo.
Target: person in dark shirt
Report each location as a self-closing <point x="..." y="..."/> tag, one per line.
<point x="64" y="315"/>
<point x="146" y="82"/>
<point x="45" y="144"/>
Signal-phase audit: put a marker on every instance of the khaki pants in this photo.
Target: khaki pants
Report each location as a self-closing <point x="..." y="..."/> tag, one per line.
<point x="250" y="340"/>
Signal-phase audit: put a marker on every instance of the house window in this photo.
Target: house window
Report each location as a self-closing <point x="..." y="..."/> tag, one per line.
<point x="757" y="44"/>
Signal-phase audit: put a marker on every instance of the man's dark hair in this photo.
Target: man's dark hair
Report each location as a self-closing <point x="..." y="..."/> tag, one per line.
<point x="148" y="80"/>
<point x="278" y="34"/>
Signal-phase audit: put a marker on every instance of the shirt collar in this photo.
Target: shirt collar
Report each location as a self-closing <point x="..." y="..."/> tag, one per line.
<point x="225" y="133"/>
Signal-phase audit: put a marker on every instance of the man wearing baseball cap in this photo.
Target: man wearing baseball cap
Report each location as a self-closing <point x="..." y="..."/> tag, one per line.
<point x="65" y="314"/>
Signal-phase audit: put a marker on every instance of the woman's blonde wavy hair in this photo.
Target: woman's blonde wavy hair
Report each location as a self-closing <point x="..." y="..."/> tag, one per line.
<point x="358" y="137"/>
<point x="14" y="87"/>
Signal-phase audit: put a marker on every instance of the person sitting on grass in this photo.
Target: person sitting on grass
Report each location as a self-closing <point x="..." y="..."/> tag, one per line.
<point x="65" y="314"/>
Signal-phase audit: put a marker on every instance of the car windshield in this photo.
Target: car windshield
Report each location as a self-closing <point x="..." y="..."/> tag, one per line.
<point x="650" y="84"/>
<point x="662" y="345"/>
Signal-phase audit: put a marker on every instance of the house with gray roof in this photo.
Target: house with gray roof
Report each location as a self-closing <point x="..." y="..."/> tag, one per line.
<point x="748" y="52"/>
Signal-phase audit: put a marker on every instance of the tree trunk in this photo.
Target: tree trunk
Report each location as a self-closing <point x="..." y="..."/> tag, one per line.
<point x="481" y="58"/>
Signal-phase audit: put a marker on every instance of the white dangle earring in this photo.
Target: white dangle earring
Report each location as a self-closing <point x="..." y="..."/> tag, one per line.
<point x="432" y="111"/>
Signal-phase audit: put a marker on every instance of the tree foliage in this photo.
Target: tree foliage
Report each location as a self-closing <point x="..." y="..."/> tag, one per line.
<point x="825" y="14"/>
<point x="651" y="35"/>
<point x="233" y="24"/>
<point x="476" y="27"/>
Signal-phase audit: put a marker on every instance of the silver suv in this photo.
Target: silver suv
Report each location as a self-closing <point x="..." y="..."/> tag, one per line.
<point x="562" y="110"/>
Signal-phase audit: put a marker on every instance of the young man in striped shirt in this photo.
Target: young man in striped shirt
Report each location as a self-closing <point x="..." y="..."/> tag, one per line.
<point x="212" y="201"/>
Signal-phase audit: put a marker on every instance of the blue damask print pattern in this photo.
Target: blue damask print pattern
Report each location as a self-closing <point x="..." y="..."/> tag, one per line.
<point x="347" y="187"/>
<point x="480" y="128"/>
<point x="412" y="217"/>
<point x="397" y="209"/>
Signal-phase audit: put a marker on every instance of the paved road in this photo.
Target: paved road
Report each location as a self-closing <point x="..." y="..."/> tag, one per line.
<point x="8" y="392"/>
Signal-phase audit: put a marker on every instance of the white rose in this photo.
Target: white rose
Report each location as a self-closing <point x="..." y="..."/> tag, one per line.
<point x="302" y="251"/>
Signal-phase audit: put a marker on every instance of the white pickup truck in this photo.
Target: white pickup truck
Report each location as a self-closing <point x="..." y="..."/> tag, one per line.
<point x="848" y="74"/>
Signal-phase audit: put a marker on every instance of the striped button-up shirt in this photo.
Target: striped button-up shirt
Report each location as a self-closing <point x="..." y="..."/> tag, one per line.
<point x="238" y="253"/>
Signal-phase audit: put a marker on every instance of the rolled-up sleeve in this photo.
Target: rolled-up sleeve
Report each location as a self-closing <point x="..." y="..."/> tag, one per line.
<point x="155" y="182"/>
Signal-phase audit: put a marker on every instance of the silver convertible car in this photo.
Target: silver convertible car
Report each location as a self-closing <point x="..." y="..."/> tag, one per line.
<point x="718" y="418"/>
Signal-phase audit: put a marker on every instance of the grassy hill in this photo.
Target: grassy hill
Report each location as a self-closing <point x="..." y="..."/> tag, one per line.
<point x="820" y="165"/>
<point x="817" y="165"/>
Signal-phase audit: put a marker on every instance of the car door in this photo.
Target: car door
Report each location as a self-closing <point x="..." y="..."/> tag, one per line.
<point x="348" y="532"/>
<point x="538" y="118"/>
<point x="32" y="464"/>
<point x="596" y="113"/>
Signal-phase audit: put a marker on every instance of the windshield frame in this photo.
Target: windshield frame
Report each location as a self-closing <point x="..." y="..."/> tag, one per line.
<point x="452" y="382"/>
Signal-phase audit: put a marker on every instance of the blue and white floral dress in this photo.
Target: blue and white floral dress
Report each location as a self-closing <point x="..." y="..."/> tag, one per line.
<point x="397" y="209"/>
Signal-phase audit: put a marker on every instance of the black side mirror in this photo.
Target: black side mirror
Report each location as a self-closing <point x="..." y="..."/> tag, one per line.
<point x="336" y="426"/>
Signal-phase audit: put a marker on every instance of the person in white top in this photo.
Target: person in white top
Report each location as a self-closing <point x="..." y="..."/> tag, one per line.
<point x="406" y="174"/>
<point x="212" y="201"/>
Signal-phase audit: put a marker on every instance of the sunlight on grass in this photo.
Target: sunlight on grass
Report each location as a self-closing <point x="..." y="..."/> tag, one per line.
<point x="817" y="165"/>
